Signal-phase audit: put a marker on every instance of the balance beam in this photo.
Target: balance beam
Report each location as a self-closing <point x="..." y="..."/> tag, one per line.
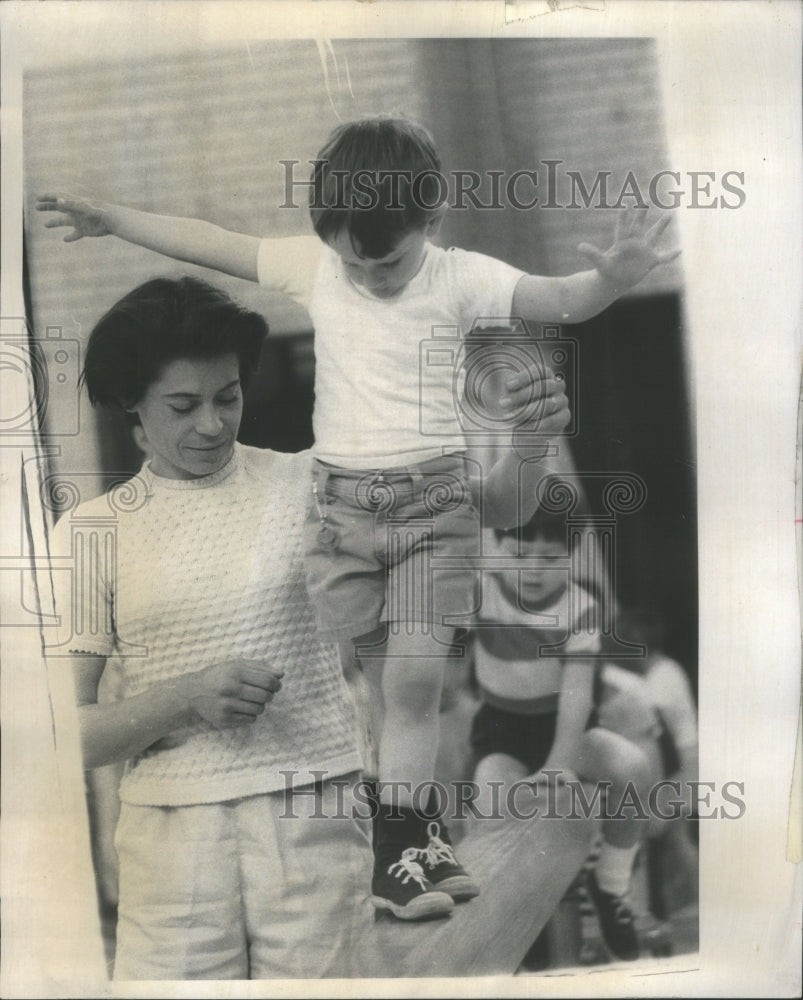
<point x="523" y="868"/>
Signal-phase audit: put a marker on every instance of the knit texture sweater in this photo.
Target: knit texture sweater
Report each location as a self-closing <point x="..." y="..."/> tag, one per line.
<point x="175" y="575"/>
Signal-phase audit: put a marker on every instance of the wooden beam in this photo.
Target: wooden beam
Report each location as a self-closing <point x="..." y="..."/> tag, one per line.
<point x="523" y="867"/>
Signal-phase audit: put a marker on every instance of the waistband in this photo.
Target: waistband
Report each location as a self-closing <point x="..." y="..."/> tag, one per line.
<point x="542" y="705"/>
<point x="443" y="463"/>
<point x="440" y="482"/>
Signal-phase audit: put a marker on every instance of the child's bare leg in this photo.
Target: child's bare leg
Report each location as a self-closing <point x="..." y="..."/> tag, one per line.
<point x="606" y="756"/>
<point x="409" y="847"/>
<point x="493" y="775"/>
<point x="411" y="685"/>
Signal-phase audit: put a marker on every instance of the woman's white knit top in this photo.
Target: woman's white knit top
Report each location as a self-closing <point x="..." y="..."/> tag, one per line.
<point x="169" y="576"/>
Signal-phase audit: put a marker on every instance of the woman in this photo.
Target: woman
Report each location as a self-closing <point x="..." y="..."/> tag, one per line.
<point x="190" y="577"/>
<point x="229" y="697"/>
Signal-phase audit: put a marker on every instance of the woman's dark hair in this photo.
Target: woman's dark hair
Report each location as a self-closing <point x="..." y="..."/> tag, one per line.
<point x="377" y="179"/>
<point x="162" y="321"/>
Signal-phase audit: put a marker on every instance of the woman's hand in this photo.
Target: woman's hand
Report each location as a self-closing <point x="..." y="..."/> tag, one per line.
<point x="87" y="218"/>
<point x="233" y="693"/>
<point x="542" y="396"/>
<point x="536" y="401"/>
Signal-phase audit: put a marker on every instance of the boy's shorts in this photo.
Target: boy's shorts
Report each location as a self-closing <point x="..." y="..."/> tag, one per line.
<point x="394" y="545"/>
<point x="526" y="738"/>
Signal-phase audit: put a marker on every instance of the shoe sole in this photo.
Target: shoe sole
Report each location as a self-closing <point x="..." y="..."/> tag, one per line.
<point x="424" y="907"/>
<point x="460" y="887"/>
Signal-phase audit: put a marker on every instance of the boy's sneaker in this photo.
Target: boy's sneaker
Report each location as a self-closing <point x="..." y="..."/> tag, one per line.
<point x="442" y="868"/>
<point x="404" y="890"/>
<point x="616" y="922"/>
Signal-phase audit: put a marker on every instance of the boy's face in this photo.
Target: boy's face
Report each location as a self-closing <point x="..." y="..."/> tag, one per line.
<point x="383" y="277"/>
<point x="543" y="580"/>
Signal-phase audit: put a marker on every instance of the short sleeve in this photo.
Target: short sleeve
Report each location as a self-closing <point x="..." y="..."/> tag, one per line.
<point x="483" y="287"/>
<point x="289" y="265"/>
<point x="82" y="594"/>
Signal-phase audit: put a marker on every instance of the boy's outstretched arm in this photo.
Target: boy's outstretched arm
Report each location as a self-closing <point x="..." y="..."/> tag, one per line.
<point x="191" y="240"/>
<point x="578" y="297"/>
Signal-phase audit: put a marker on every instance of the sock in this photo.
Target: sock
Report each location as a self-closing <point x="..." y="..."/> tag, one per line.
<point x="614" y="867"/>
<point x="432" y="810"/>
<point x="395" y="829"/>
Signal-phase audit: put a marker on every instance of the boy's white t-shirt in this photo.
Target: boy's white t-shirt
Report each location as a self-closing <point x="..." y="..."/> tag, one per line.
<point x="387" y="370"/>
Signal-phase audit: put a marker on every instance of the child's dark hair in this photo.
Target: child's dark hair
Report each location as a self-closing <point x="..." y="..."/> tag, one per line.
<point x="377" y="179"/>
<point x="544" y="524"/>
<point x="161" y="321"/>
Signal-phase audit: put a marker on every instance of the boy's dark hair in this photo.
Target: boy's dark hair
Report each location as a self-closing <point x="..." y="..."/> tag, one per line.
<point x="543" y="524"/>
<point x="377" y="179"/>
<point x="161" y="321"/>
<point x="547" y="524"/>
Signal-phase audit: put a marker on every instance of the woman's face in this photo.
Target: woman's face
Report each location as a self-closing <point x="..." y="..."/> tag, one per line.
<point x="191" y="414"/>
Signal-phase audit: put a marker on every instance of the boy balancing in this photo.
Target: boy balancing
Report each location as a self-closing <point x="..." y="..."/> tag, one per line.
<point x="376" y="286"/>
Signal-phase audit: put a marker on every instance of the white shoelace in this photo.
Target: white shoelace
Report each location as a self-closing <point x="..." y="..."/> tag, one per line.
<point x="436" y="850"/>
<point x="407" y="867"/>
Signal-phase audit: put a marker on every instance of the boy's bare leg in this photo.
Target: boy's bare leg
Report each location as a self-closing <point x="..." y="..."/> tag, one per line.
<point x="606" y="756"/>
<point x="493" y="776"/>
<point x="416" y="874"/>
<point x="411" y="682"/>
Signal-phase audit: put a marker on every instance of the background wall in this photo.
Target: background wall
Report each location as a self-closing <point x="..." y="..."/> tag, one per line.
<point x="202" y="134"/>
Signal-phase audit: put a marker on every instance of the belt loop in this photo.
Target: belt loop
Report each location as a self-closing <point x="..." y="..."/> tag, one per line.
<point x="321" y="478"/>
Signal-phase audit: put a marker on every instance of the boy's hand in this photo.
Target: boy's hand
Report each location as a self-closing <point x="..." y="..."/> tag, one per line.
<point x="87" y="218"/>
<point x="633" y="253"/>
